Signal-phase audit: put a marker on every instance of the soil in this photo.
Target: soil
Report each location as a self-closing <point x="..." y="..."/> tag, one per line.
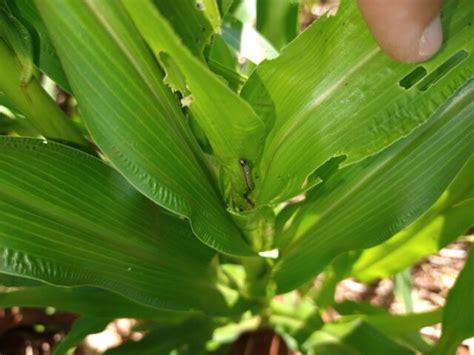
<point x="30" y="331"/>
<point x="262" y="342"/>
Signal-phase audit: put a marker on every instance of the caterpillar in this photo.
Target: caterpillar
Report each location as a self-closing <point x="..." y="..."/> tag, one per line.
<point x="247" y="174"/>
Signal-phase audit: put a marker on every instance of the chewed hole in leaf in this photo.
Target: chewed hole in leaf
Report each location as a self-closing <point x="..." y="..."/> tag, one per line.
<point x="412" y="77"/>
<point x="442" y="70"/>
<point x="323" y="172"/>
<point x="174" y="78"/>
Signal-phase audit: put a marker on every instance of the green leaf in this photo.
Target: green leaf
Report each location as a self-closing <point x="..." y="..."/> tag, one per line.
<point x="403" y="289"/>
<point x="333" y="348"/>
<point x="322" y="98"/>
<point x="234" y="131"/>
<point x="402" y="328"/>
<point x="133" y="117"/>
<point x="278" y="20"/>
<point x="33" y="102"/>
<point x="335" y="272"/>
<point x="6" y="123"/>
<point x="189" y="22"/>
<point x="222" y="60"/>
<point x="244" y="10"/>
<point x="16" y="125"/>
<point x="366" y="203"/>
<point x="352" y="307"/>
<point x="7" y="281"/>
<point x="224" y="6"/>
<point x="247" y="41"/>
<point x="399" y="325"/>
<point x="80" y="329"/>
<point x="44" y="54"/>
<point x="210" y="8"/>
<point x="70" y="220"/>
<point x="458" y="316"/>
<point x="352" y="337"/>
<point x="448" y="218"/>
<point x="18" y="39"/>
<point x="188" y="337"/>
<point x="380" y="318"/>
<point x="87" y="301"/>
<point x="295" y="318"/>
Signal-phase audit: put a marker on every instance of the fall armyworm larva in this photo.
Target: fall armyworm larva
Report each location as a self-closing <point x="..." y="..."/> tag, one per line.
<point x="247" y="174"/>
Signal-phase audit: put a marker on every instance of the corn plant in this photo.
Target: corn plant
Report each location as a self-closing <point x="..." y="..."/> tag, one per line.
<point x="206" y="173"/>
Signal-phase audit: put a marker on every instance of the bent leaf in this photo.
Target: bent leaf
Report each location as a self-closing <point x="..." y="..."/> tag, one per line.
<point x="133" y="117"/>
<point x="458" y="316"/>
<point x="354" y="209"/>
<point x="352" y="337"/>
<point x="234" y="131"/>
<point x="222" y="60"/>
<point x="45" y="57"/>
<point x="15" y="34"/>
<point x="246" y="40"/>
<point x="449" y="217"/>
<point x="80" y="329"/>
<point x="88" y="301"/>
<point x="332" y="92"/>
<point x="404" y="328"/>
<point x="190" y="336"/>
<point x="277" y="20"/>
<point x="190" y="22"/>
<point x="70" y="220"/>
<point x="33" y="101"/>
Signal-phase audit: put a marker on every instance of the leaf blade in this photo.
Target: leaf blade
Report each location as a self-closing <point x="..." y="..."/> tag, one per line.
<point x="278" y="20"/>
<point x="458" y="315"/>
<point x="119" y="88"/>
<point x="322" y="99"/>
<point x="234" y="131"/>
<point x="86" y="301"/>
<point x="356" y="210"/>
<point x="70" y="220"/>
<point x="450" y="216"/>
<point x="81" y="328"/>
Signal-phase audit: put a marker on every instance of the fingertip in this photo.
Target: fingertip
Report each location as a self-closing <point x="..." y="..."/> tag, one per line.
<point x="430" y="40"/>
<point x="428" y="43"/>
<point x="409" y="31"/>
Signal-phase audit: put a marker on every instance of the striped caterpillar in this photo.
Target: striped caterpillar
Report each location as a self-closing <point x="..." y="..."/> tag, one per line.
<point x="247" y="174"/>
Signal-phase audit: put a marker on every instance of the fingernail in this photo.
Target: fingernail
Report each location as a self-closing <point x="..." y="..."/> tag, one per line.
<point x="430" y="39"/>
